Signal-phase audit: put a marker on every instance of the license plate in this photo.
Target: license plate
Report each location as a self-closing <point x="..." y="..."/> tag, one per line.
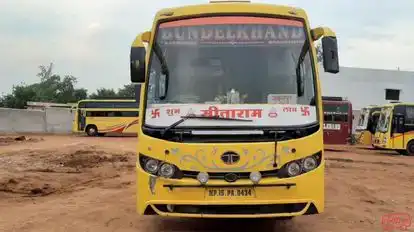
<point x="230" y="192"/>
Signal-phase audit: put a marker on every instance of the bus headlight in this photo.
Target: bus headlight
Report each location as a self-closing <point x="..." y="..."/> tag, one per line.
<point x="309" y="163"/>
<point x="151" y="166"/>
<point x="300" y="166"/>
<point x="293" y="169"/>
<point x="159" y="168"/>
<point x="167" y="170"/>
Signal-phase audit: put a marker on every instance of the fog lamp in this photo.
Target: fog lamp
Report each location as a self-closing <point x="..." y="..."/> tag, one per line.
<point x="255" y="177"/>
<point x="202" y="177"/>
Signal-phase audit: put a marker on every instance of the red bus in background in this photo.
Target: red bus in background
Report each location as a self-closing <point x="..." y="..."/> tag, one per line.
<point x="338" y="117"/>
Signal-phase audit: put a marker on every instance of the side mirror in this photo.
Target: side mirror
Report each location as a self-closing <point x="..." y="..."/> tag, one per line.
<point x="330" y="54"/>
<point x="137" y="58"/>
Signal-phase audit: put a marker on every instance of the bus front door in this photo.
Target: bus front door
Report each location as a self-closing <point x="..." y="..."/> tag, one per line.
<point x="397" y="132"/>
<point x="81" y="120"/>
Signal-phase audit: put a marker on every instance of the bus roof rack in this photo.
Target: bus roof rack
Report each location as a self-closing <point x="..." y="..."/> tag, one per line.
<point x="332" y="98"/>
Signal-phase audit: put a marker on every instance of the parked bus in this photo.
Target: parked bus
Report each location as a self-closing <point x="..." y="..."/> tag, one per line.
<point x="98" y="117"/>
<point x="367" y="124"/>
<point x="231" y="120"/>
<point x="395" y="129"/>
<point x="338" y="119"/>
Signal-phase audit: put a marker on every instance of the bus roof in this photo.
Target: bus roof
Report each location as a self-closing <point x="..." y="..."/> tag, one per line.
<point x="370" y="106"/>
<point x="229" y="7"/>
<point x="343" y="102"/>
<point x="107" y="100"/>
<point x="399" y="104"/>
<point x="391" y="105"/>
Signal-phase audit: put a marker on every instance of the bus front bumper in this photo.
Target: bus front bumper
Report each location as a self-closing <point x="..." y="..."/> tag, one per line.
<point x="272" y="197"/>
<point x="379" y="143"/>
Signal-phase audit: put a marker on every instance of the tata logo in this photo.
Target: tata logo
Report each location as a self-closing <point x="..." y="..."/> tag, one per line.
<point x="230" y="158"/>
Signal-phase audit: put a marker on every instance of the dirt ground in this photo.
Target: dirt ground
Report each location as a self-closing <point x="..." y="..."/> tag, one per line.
<point x="74" y="183"/>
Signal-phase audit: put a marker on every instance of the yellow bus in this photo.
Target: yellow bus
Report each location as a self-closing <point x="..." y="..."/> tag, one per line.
<point x="231" y="120"/>
<point x="395" y="130"/>
<point x="98" y="117"/>
<point x="367" y="124"/>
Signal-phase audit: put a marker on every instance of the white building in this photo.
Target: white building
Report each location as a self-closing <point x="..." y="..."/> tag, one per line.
<point x="368" y="86"/>
<point x="365" y="87"/>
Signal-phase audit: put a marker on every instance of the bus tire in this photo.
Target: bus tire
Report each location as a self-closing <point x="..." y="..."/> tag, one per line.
<point x="410" y="148"/>
<point x="91" y="130"/>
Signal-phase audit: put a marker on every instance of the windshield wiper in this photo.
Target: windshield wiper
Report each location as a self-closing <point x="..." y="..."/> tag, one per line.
<point x="164" y="68"/>
<point x="299" y="82"/>
<point x="184" y="118"/>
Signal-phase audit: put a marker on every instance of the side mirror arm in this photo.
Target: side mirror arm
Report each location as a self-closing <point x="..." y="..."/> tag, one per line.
<point x="318" y="32"/>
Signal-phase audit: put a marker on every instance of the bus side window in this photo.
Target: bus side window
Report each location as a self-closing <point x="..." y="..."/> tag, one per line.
<point x="409" y="118"/>
<point x="111" y="114"/>
<point x="340" y="118"/>
<point x="328" y="118"/>
<point x="129" y="114"/>
<point x="96" y="114"/>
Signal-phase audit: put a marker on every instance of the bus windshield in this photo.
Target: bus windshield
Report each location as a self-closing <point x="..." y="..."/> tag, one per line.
<point x="384" y="119"/>
<point x="242" y="67"/>
<point x="336" y="112"/>
<point x="363" y="119"/>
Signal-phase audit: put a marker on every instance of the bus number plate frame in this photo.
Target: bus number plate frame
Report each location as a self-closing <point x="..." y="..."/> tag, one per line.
<point x="230" y="192"/>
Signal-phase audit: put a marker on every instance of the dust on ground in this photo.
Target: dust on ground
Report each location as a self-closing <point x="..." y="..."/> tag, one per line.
<point x="7" y="140"/>
<point x="73" y="183"/>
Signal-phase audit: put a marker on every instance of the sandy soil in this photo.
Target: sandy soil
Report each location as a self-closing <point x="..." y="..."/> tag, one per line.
<point x="73" y="183"/>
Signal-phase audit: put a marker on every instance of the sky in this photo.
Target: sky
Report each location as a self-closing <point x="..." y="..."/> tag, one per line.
<point x="91" y="39"/>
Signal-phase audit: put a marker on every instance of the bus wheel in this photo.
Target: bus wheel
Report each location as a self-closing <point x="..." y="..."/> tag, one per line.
<point x="410" y="148"/>
<point x="91" y="130"/>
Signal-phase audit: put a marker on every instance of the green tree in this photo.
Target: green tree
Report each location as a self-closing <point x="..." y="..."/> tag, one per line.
<point x="50" y="88"/>
<point x="103" y="93"/>
<point x="80" y="94"/>
<point x="19" y="97"/>
<point x="128" y="91"/>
